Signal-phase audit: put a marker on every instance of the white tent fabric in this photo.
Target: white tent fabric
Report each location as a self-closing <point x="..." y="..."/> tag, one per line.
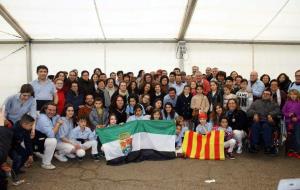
<point x="258" y="20"/>
<point x="7" y="32"/>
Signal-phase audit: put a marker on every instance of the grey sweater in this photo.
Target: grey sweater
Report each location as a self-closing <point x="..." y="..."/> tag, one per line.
<point x="264" y="108"/>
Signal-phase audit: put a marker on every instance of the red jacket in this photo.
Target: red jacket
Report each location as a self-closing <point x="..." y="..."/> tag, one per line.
<point x="61" y="101"/>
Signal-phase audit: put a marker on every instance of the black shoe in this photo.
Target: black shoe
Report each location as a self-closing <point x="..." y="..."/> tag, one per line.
<point x="96" y="157"/>
<point x="101" y="154"/>
<point x="230" y="156"/>
<point x="252" y="149"/>
<point x="80" y="159"/>
<point x="268" y="150"/>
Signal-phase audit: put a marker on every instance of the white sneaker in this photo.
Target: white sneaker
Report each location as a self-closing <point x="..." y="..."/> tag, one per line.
<point x="239" y="150"/>
<point x="60" y="157"/>
<point x="38" y="154"/>
<point x="48" y="166"/>
<point x="70" y="155"/>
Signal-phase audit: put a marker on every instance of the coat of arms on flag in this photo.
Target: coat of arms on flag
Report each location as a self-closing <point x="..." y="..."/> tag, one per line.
<point x="125" y="143"/>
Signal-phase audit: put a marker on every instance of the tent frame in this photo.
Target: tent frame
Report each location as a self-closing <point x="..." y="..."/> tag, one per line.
<point x="26" y="38"/>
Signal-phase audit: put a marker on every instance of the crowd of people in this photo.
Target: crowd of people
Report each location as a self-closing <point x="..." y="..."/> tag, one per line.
<point x="56" y="115"/>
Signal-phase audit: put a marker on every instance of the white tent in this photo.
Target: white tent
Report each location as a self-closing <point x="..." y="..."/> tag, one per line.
<point x="131" y="35"/>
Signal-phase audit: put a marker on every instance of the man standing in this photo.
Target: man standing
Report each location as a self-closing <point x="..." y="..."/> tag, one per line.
<point x="171" y="97"/>
<point x="178" y="85"/>
<point x="44" y="89"/>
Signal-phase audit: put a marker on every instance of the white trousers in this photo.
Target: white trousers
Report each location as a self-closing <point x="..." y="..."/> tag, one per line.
<point x="239" y="135"/>
<point x="49" y="145"/>
<point x="88" y="144"/>
<point x="67" y="148"/>
<point x="230" y="144"/>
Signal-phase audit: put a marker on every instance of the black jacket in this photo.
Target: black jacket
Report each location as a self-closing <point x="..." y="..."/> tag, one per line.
<point x="237" y="120"/>
<point x="183" y="106"/>
<point x="20" y="135"/>
<point x="6" y="136"/>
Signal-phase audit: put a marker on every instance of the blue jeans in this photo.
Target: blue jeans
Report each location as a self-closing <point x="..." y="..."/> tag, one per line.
<point x="264" y="128"/>
<point x="296" y="137"/>
<point x="19" y="156"/>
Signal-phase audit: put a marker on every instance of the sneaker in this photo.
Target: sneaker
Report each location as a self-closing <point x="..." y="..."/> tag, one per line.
<point x="60" y="157"/>
<point x="80" y="159"/>
<point x="239" y="150"/>
<point x="230" y="156"/>
<point x="293" y="154"/>
<point x="72" y="156"/>
<point x="48" y="166"/>
<point x="18" y="182"/>
<point x="96" y="157"/>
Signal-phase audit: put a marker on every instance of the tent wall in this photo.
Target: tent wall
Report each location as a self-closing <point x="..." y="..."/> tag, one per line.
<point x="118" y="56"/>
<point x="12" y="69"/>
<point x="271" y="59"/>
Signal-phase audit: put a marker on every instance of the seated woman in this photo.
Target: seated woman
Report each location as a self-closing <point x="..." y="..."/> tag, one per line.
<point x="237" y="119"/>
<point x="168" y="112"/>
<point x="138" y="114"/>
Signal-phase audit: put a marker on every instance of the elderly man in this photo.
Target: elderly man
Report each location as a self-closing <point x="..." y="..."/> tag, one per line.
<point x="264" y="113"/>
<point x="202" y="81"/>
<point x="194" y="70"/>
<point x="208" y="72"/>
<point x="257" y="87"/>
<point x="296" y="84"/>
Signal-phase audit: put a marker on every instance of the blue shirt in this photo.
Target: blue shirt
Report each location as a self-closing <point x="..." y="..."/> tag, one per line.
<point x="15" y="109"/>
<point x="179" y="88"/>
<point x="65" y="129"/>
<point x="204" y="129"/>
<point x="43" y="90"/>
<point x="168" y="99"/>
<point x="85" y="134"/>
<point x="257" y="88"/>
<point x="293" y="85"/>
<point x="45" y="125"/>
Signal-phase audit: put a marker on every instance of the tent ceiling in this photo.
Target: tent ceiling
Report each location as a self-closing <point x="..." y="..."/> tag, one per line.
<point x="231" y="20"/>
<point x="7" y="32"/>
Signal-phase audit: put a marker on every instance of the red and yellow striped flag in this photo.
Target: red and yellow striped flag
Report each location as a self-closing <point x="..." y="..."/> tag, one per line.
<point x="204" y="147"/>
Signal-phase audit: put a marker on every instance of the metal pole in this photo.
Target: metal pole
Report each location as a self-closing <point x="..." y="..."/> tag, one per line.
<point x="28" y="62"/>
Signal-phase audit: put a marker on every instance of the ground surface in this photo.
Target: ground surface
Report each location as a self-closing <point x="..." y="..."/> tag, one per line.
<point x="246" y="172"/>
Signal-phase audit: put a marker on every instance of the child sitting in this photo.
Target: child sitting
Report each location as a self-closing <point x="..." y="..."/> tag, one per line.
<point x="229" y="141"/>
<point x="138" y="114"/>
<point x="180" y="130"/>
<point x="132" y="101"/>
<point x="203" y="127"/>
<point x="83" y="136"/>
<point x="291" y="112"/>
<point x="112" y="120"/>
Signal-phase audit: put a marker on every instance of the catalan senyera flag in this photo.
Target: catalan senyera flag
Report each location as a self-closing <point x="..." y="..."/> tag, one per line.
<point x="204" y="147"/>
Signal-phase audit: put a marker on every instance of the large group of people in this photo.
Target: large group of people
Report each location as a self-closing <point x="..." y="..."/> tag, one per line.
<point x="57" y="115"/>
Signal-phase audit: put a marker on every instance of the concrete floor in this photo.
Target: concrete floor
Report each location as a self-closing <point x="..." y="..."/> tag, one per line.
<point x="246" y="172"/>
